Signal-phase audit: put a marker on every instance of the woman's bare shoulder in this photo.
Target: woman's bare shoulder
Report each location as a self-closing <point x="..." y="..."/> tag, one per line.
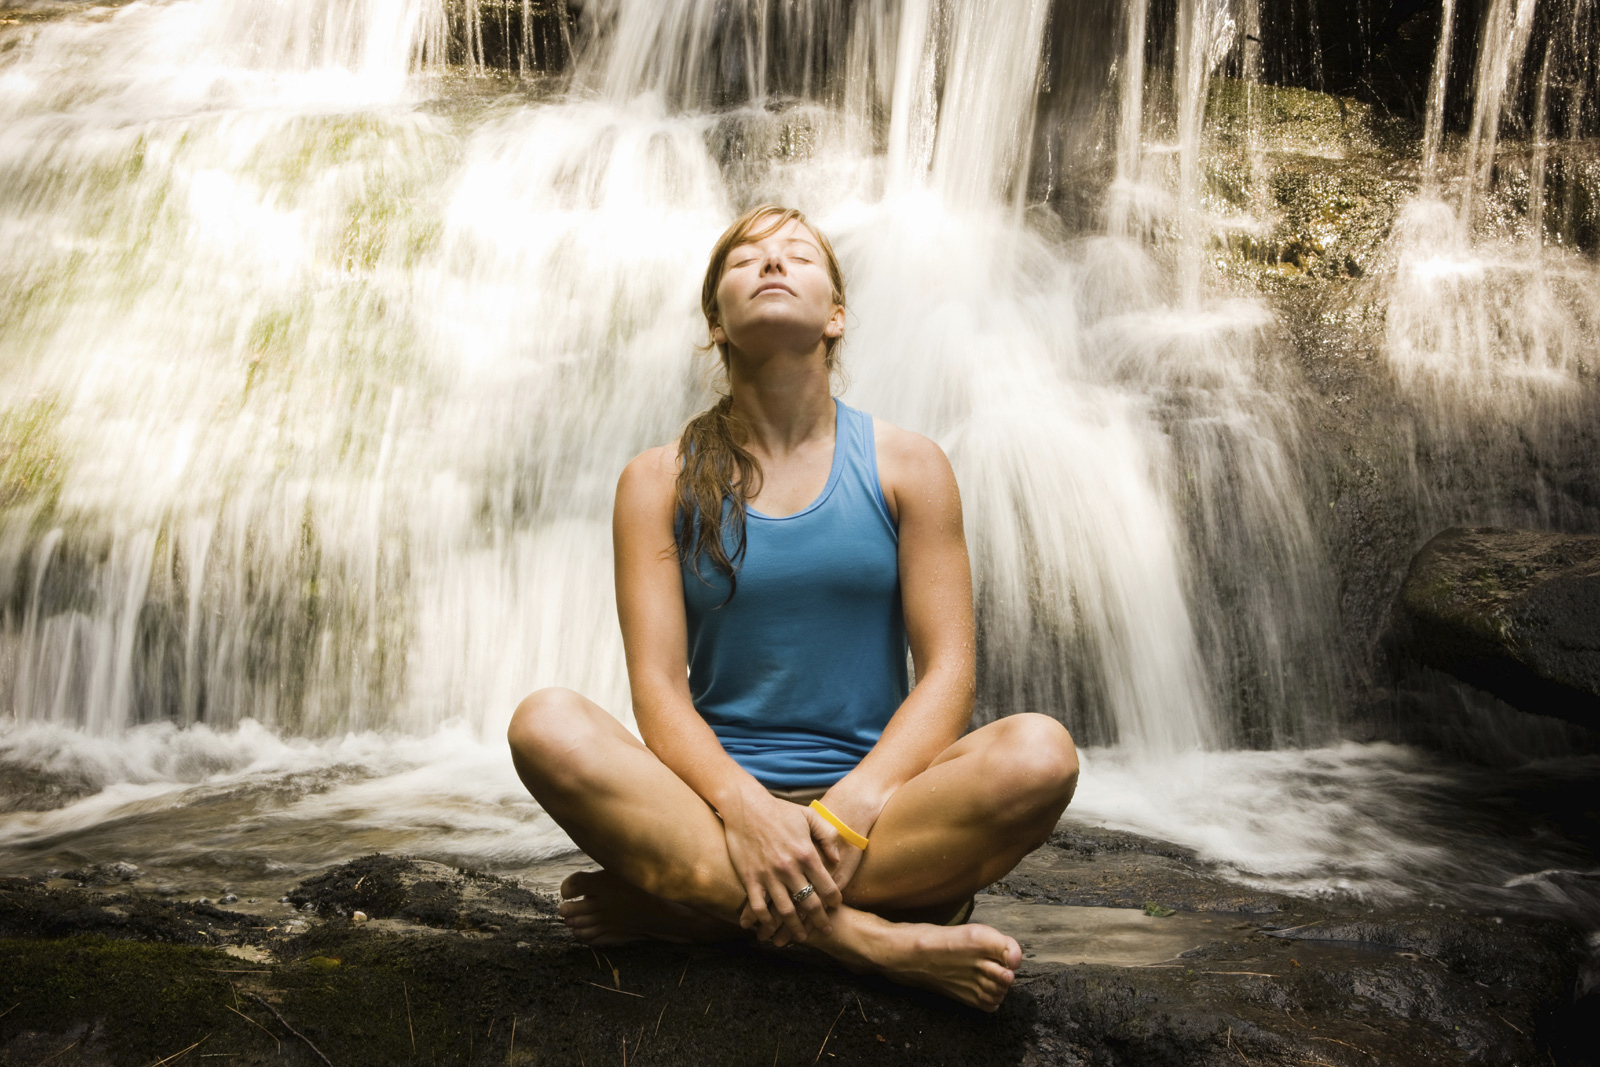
<point x="649" y="482"/>
<point x="906" y="457"/>
<point x="915" y="475"/>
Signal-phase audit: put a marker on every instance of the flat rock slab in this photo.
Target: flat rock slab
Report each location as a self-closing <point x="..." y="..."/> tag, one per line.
<point x="1057" y="935"/>
<point x="1514" y="612"/>
<point x="449" y="966"/>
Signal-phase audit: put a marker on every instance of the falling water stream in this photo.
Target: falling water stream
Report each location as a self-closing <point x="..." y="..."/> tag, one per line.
<point x="319" y="357"/>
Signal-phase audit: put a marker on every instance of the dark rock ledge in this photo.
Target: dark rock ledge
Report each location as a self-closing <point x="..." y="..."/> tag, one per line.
<point x="1513" y="612"/>
<point x="454" y="967"/>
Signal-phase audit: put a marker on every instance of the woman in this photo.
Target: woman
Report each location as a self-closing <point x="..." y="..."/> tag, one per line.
<point x="772" y="569"/>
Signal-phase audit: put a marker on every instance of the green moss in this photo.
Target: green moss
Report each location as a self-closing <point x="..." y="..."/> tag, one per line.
<point x="139" y="998"/>
<point x="370" y="1004"/>
<point x="30" y="453"/>
<point x="1286" y="119"/>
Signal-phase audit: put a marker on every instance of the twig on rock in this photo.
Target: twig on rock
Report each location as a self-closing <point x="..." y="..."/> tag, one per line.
<point x="829" y="1034"/>
<point x="255" y="1024"/>
<point x="276" y="1015"/>
<point x="181" y="1052"/>
<point x="1235" y="1048"/>
<point x="412" y="1030"/>
<point x="608" y="989"/>
<point x="53" y="1055"/>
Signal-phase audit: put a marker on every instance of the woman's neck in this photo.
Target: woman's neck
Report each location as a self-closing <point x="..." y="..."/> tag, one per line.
<point x="783" y="403"/>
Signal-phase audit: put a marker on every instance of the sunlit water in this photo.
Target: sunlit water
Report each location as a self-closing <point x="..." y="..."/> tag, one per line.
<point x="318" y="362"/>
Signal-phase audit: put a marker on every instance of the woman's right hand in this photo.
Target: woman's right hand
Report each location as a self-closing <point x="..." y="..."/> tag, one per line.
<point x="773" y="846"/>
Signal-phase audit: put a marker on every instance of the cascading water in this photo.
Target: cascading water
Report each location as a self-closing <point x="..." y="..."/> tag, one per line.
<point x="1487" y="312"/>
<point x="320" y="359"/>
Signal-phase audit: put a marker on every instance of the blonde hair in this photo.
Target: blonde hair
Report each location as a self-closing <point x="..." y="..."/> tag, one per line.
<point x="714" y="467"/>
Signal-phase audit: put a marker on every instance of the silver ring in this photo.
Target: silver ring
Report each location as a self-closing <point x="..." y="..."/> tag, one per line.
<point x="799" y="895"/>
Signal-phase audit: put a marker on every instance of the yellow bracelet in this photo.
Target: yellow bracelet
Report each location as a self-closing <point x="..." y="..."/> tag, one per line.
<point x="838" y="824"/>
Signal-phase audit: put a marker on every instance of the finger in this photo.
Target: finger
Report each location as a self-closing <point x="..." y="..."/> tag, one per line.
<point x="815" y="916"/>
<point x="823" y="833"/>
<point x="829" y="847"/>
<point x="784" y="911"/>
<point x="764" y="917"/>
<point x="756" y="905"/>
<point x="827" y="894"/>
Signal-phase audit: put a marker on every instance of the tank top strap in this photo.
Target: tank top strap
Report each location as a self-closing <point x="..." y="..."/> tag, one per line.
<point x="859" y="471"/>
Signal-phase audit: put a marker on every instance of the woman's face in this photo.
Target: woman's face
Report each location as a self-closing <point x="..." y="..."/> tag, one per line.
<point x="775" y="294"/>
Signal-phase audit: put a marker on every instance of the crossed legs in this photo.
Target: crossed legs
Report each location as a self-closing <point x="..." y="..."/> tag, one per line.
<point x="987" y="801"/>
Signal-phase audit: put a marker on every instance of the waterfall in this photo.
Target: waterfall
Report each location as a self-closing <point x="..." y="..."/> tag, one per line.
<point x="319" y="366"/>
<point x="327" y="326"/>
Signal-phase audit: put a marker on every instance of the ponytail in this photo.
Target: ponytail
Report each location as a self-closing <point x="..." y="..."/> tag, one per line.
<point x="713" y="467"/>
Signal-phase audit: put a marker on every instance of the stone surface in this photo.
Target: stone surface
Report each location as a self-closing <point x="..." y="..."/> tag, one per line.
<point x="1515" y="612"/>
<point x="459" y="967"/>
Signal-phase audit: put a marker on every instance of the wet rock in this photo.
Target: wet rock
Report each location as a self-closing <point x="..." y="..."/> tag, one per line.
<point x="30" y="910"/>
<point x="515" y="35"/>
<point x="1098" y="868"/>
<point x="1323" y="981"/>
<point x="102" y="874"/>
<point x="28" y="788"/>
<point x="1514" y="612"/>
<point x="422" y="892"/>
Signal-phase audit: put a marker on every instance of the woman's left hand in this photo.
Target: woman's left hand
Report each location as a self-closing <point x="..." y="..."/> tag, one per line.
<point x="841" y="858"/>
<point x="857" y="812"/>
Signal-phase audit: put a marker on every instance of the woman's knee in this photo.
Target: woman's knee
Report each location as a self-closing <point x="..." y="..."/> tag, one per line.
<point x="552" y="734"/>
<point x="1040" y="764"/>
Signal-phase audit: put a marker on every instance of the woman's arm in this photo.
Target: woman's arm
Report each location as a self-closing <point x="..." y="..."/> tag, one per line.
<point x="770" y="841"/>
<point x="936" y="592"/>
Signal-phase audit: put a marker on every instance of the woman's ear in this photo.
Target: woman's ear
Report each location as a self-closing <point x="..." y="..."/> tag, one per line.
<point x="835" y="324"/>
<point x="719" y="336"/>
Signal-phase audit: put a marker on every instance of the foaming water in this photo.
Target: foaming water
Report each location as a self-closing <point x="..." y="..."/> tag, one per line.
<point x="199" y="808"/>
<point x="1375" y="821"/>
<point x="245" y="803"/>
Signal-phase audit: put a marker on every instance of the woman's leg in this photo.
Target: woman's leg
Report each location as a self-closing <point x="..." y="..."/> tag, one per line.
<point x="645" y="826"/>
<point x="647" y="829"/>
<point x="987" y="801"/>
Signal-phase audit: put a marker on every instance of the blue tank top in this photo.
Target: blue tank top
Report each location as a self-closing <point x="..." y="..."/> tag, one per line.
<point x="799" y="673"/>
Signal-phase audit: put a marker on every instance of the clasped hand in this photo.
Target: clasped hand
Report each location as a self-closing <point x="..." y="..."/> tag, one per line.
<point x="777" y="848"/>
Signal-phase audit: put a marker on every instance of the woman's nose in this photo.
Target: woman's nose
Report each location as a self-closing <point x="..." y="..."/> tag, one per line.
<point x="773" y="263"/>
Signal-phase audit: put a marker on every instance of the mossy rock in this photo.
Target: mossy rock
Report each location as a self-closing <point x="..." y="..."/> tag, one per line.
<point x="1515" y="612"/>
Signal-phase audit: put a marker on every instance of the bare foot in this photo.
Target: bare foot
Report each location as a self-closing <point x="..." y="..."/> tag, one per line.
<point x="974" y="964"/>
<point x="602" y="909"/>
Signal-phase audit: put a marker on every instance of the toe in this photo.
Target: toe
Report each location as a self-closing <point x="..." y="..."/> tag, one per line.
<point x="574" y="906"/>
<point x="578" y="882"/>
